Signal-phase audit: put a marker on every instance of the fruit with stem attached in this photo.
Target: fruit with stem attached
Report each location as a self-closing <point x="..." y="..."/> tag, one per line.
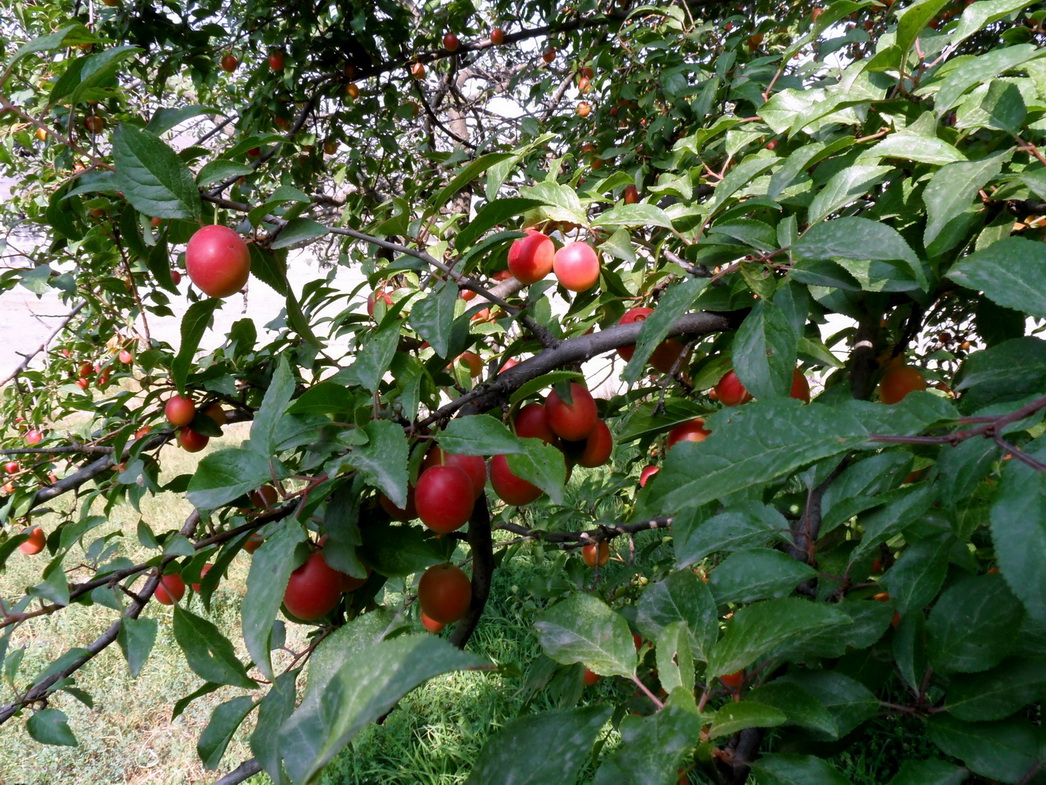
<point x="36" y="541"/>
<point x="313" y="589"/>
<point x="218" y="261"/>
<point x="574" y="420"/>
<point x="170" y="589"/>
<point x="444" y="497"/>
<point x="531" y="257"/>
<point x="179" y="410"/>
<point x="596" y="554"/>
<point x="444" y="593"/>
<point x="576" y="266"/>
<point x="192" y="441"/>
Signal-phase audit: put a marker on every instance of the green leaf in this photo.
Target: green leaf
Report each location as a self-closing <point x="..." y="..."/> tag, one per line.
<point x="676" y="301"/>
<point x="550" y="746"/>
<point x="368" y="684"/>
<point x="226" y="475"/>
<point x="844" y="189"/>
<point x="492" y="214"/>
<point x="793" y="769"/>
<point x="272" y="410"/>
<point x="1001" y="108"/>
<point x="382" y="461"/>
<point x="1018" y="525"/>
<point x="980" y="69"/>
<point x="479" y="434"/>
<point x="282" y="195"/>
<point x="433" y="316"/>
<point x="735" y="717"/>
<point x="848" y="701"/>
<point x="152" y="176"/>
<point x="467" y="174"/>
<point x="651" y="748"/>
<point x="747" y="525"/>
<point x="929" y="772"/>
<point x="1003" y="751"/>
<point x="913" y="20"/>
<point x="136" y="640"/>
<point x="1011" y="273"/>
<point x="952" y="190"/>
<point x="681" y="596"/>
<point x="761" y="574"/>
<point x="376" y="355"/>
<point x="756" y="629"/>
<point x="559" y="202"/>
<point x="1008" y="371"/>
<point x="582" y="628"/>
<point x="970" y="627"/>
<point x="51" y="726"/>
<point x="297" y="232"/>
<point x="542" y="465"/>
<point x="998" y="693"/>
<point x="208" y="652"/>
<point x="764" y="441"/>
<point x="273" y="710"/>
<point x="70" y="35"/>
<point x="225" y="719"/>
<point x="219" y="170"/>
<point x="401" y="550"/>
<point x="194" y="324"/>
<point x="858" y="239"/>
<point x="764" y="351"/>
<point x="799" y="706"/>
<point x="271" y="567"/>
<point x="917" y="576"/>
<point x="271" y="269"/>
<point x="675" y="658"/>
<point x="633" y="215"/>
<point x="55" y="584"/>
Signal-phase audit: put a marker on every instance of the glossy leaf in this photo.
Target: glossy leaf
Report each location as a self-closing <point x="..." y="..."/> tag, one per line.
<point x="582" y="628"/>
<point x="681" y="596"/>
<point x="209" y="653"/>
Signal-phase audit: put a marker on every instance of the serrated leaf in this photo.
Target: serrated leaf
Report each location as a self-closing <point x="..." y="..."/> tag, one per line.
<point x="799" y="706"/>
<point x="376" y="355"/>
<point x="433" y="316"/>
<point x="633" y="215"/>
<point x="651" y="748"/>
<point x="382" y="461"/>
<point x="681" y="596"/>
<point x="398" y="551"/>
<point x="479" y="434"/>
<point x="676" y="301"/>
<point x="1003" y="751"/>
<point x="917" y="576"/>
<point x="209" y="653"/>
<point x="952" y="190"/>
<point x="929" y="772"/>
<point x="51" y="726"/>
<point x="559" y="202"/>
<point x="765" y="351"/>
<point x="762" y="574"/>
<point x="675" y="658"/>
<point x="1018" y="525"/>
<point x="970" y="626"/>
<point x="792" y="769"/>
<point x="584" y="629"/>
<point x="273" y="711"/>
<point x="224" y="722"/>
<point x="844" y="188"/>
<point x="735" y="717"/>
<point x="136" y="640"/>
<point x="194" y="324"/>
<point x="998" y="693"/>
<point x="747" y="525"/>
<point x="219" y="170"/>
<point x="152" y="176"/>
<point x="848" y="701"/>
<point x="858" y="239"/>
<point x="1011" y="273"/>
<point x="297" y="232"/>
<point x="272" y="410"/>
<point x="226" y="475"/>
<point x="756" y="629"/>
<point x="547" y="747"/>
<point x="492" y="214"/>
<point x="979" y="69"/>
<point x="271" y="567"/>
<point x="368" y="684"/>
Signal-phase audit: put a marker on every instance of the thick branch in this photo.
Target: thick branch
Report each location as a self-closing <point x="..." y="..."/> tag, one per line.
<point x="482" y="548"/>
